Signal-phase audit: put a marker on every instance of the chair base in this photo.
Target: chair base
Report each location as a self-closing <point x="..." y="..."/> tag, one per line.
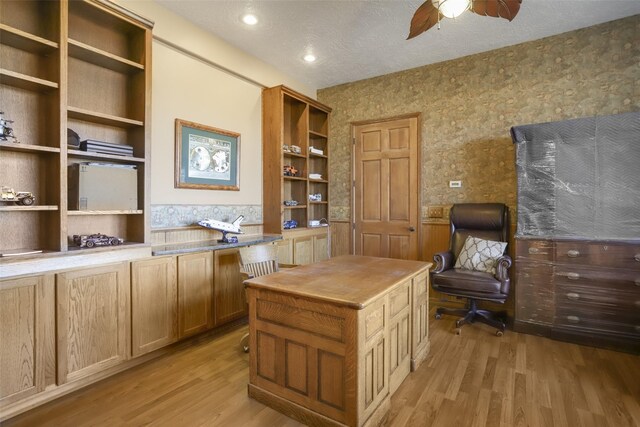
<point x="472" y="314"/>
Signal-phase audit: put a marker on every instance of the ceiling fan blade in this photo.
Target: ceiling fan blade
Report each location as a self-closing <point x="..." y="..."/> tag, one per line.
<point x="425" y="17"/>
<point x="507" y="9"/>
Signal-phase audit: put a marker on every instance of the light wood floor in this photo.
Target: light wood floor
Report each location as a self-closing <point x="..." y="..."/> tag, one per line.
<point x="475" y="379"/>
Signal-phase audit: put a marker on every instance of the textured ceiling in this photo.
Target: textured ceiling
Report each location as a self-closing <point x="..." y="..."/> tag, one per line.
<point x="354" y="40"/>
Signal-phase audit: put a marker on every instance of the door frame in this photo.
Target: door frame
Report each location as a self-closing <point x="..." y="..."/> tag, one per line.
<point x="354" y="124"/>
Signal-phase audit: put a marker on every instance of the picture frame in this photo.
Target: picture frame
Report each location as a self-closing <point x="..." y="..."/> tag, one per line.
<point x="206" y="158"/>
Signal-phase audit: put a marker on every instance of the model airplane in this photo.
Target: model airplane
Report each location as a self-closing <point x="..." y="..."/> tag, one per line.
<point x="224" y="227"/>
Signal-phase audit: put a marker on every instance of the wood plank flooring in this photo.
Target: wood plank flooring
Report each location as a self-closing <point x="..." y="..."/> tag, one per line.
<point x="475" y="379"/>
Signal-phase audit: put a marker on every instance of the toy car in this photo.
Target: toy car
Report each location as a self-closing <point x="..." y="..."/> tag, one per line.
<point x="290" y="203"/>
<point x="290" y="171"/>
<point x="8" y="194"/>
<point x="292" y="223"/>
<point x="316" y="197"/>
<point x="91" y="240"/>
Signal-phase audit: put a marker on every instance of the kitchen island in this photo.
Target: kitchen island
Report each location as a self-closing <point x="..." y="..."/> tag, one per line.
<point x="331" y="342"/>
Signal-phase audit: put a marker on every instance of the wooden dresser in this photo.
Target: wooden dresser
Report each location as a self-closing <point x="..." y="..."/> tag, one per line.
<point x="580" y="290"/>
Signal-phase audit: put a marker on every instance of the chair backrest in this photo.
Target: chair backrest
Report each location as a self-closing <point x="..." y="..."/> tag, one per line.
<point x="489" y="221"/>
<point x="259" y="260"/>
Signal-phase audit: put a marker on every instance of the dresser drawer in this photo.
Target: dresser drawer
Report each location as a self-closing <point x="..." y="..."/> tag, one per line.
<point x="535" y="250"/>
<point x="534" y="303"/>
<point x="614" y="255"/>
<point x="589" y="297"/>
<point x="603" y="320"/>
<point x="601" y="279"/>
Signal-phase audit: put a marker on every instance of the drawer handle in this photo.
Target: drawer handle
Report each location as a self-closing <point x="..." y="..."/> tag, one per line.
<point x="574" y="253"/>
<point x="637" y="257"/>
<point x="573" y="319"/>
<point x="637" y="282"/>
<point x="638" y="303"/>
<point x="638" y="328"/>
<point x="534" y="251"/>
<point x="573" y="276"/>
<point x="574" y="296"/>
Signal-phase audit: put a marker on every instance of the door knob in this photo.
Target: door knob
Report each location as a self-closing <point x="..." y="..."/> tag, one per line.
<point x="412" y="229"/>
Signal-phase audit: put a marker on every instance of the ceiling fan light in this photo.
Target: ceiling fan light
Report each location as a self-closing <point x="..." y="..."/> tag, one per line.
<point x="451" y="8"/>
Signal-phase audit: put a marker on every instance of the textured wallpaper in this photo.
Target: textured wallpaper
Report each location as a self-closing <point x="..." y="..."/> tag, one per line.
<point x="469" y="104"/>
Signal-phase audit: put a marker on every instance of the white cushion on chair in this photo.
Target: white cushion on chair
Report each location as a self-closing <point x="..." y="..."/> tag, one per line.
<point x="480" y="255"/>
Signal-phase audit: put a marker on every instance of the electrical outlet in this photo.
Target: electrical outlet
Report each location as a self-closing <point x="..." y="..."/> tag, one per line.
<point x="455" y="184"/>
<point x="435" y="212"/>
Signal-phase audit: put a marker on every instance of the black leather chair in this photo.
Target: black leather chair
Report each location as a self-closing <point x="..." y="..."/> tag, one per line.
<point x="488" y="221"/>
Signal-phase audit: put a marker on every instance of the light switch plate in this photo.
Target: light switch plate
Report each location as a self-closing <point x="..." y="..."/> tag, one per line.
<point x="455" y="184"/>
<point x="435" y="212"/>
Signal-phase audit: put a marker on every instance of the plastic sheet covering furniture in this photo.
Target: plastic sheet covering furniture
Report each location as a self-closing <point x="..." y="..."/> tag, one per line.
<point x="578" y="235"/>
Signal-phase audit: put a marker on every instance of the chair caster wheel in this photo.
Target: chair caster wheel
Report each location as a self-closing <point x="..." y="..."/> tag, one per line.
<point x="458" y="331"/>
<point x="499" y="333"/>
<point x="438" y="316"/>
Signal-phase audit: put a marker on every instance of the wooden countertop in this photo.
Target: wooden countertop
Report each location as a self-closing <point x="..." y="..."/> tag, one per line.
<point x="349" y="280"/>
<point x="213" y="245"/>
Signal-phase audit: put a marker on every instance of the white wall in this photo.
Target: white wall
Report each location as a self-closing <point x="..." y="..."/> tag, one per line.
<point x="226" y="97"/>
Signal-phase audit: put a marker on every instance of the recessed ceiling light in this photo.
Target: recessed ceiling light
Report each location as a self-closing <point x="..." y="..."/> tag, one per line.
<point x="309" y="57"/>
<point x="250" y="19"/>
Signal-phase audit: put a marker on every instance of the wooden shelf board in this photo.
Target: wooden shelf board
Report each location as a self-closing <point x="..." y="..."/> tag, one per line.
<point x="322" y="156"/>
<point x="125" y="245"/>
<point x="314" y="133"/>
<point x="23" y="81"/>
<point x="295" y="178"/>
<point x="13" y="146"/>
<point x="320" y="181"/>
<point x="102" y="58"/>
<point x="22" y="40"/>
<point x="295" y="207"/>
<point x="90" y="155"/>
<point x="113" y="212"/>
<point x="318" y="203"/>
<point x="20" y="208"/>
<point x="287" y="154"/>
<point x="101" y="118"/>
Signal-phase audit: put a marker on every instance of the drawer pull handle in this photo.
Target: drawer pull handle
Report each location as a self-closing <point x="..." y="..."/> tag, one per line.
<point x="638" y="328"/>
<point x="573" y="319"/>
<point x="574" y="253"/>
<point x="574" y="296"/>
<point x="637" y="257"/>
<point x="533" y="251"/>
<point x="637" y="282"/>
<point x="573" y="276"/>
<point x="638" y="303"/>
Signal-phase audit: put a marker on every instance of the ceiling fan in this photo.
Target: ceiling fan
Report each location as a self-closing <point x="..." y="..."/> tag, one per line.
<point x="430" y="12"/>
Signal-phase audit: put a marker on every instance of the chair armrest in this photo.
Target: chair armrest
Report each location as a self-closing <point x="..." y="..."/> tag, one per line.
<point x="502" y="266"/>
<point x="280" y="265"/>
<point x="246" y="275"/>
<point x="444" y="261"/>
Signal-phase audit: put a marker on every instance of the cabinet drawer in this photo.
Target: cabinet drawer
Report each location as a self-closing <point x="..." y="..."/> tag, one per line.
<point x="603" y="320"/>
<point x="537" y="273"/>
<point x="600" y="254"/>
<point x="535" y="250"/>
<point x="598" y="299"/>
<point x="534" y="303"/>
<point x="601" y="279"/>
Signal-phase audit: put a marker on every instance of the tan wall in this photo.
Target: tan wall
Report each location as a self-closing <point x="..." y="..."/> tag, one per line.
<point x="469" y="104"/>
<point x="225" y="94"/>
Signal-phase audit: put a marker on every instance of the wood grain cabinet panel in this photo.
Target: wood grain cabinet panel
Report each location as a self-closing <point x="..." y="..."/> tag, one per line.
<point x="27" y="336"/>
<point x="229" y="296"/>
<point x="93" y="320"/>
<point x="419" y="320"/>
<point x="154" y="304"/>
<point x="195" y="293"/>
<point x="320" y="247"/>
<point x="285" y="251"/>
<point x="399" y="335"/>
<point x="303" y="250"/>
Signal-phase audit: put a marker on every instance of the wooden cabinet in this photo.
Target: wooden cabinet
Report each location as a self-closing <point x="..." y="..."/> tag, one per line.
<point x="303" y="250"/>
<point x="285" y="251"/>
<point x="195" y="293"/>
<point x="290" y="119"/>
<point x="85" y="66"/>
<point x="230" y="301"/>
<point x="399" y="334"/>
<point x="154" y="304"/>
<point x="321" y="247"/>
<point x="304" y="246"/>
<point x="27" y="334"/>
<point x="93" y="320"/>
<point x="419" y="319"/>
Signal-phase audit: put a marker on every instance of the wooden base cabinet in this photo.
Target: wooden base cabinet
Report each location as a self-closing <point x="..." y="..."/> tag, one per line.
<point x="230" y="301"/>
<point x="93" y="320"/>
<point x="154" y="304"/>
<point x="304" y="246"/>
<point x="195" y="293"/>
<point x="27" y="337"/>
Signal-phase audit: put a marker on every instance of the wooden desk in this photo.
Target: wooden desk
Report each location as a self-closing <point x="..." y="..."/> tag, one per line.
<point x="332" y="341"/>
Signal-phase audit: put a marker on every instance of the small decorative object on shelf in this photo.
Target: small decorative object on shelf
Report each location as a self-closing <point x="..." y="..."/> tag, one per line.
<point x="289" y="170"/>
<point x="224" y="228"/>
<point x="286" y="148"/>
<point x="292" y="223"/>
<point x="314" y="150"/>
<point x="317" y="197"/>
<point x="6" y="131"/>
<point x="315" y="176"/>
<point x="295" y="149"/>
<point x="91" y="240"/>
<point x="318" y="222"/>
<point x="291" y="203"/>
<point x="73" y="139"/>
<point x="24" y="198"/>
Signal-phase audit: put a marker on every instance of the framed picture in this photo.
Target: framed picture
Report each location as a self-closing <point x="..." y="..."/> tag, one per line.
<point x="206" y="158"/>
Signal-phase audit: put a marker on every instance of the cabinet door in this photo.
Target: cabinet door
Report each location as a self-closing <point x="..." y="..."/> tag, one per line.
<point x="399" y="334"/>
<point x="420" y="319"/>
<point x="285" y="251"/>
<point x="229" y="295"/>
<point x="303" y="250"/>
<point x="320" y="247"/>
<point x="27" y="323"/>
<point x="94" y="323"/>
<point x="195" y="293"/>
<point x="154" y="304"/>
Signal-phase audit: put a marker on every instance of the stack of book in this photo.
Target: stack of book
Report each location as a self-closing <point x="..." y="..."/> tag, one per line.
<point x="315" y="176"/>
<point x="106" y="147"/>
